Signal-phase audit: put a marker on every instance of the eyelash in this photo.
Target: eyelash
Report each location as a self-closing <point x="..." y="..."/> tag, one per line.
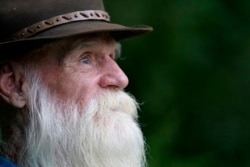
<point x="85" y="59"/>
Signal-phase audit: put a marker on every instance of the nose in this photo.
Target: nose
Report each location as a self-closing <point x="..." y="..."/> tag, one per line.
<point x="113" y="76"/>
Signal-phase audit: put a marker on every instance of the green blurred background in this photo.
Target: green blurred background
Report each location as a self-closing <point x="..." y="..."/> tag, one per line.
<point x="192" y="76"/>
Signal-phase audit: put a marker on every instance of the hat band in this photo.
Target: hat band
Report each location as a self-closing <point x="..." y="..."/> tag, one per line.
<point x="61" y="19"/>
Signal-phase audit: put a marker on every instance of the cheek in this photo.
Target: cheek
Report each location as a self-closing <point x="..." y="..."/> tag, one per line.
<point x="83" y="91"/>
<point x="58" y="83"/>
<point x="70" y="85"/>
<point x="69" y="88"/>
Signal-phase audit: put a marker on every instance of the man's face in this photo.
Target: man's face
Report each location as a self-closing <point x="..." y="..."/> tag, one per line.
<point x="80" y="69"/>
<point x="79" y="114"/>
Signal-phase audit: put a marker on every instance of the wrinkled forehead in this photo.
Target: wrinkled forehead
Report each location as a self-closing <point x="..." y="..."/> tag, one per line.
<point x="63" y="47"/>
<point x="88" y="41"/>
<point x="95" y="42"/>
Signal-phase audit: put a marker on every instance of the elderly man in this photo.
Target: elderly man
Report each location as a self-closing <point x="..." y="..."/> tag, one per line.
<point x="62" y="93"/>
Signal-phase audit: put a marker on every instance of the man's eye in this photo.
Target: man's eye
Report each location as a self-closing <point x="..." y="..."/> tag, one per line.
<point x="85" y="59"/>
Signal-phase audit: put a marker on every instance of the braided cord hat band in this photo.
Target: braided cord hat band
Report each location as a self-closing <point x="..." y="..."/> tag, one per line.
<point x="59" y="20"/>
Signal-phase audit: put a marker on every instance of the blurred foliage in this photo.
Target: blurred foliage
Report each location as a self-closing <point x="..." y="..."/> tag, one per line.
<point x="191" y="75"/>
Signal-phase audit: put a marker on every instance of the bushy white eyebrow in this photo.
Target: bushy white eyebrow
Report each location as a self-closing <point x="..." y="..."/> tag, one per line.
<point x="84" y="44"/>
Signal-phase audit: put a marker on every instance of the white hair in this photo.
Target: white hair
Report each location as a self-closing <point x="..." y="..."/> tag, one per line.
<point x="104" y="133"/>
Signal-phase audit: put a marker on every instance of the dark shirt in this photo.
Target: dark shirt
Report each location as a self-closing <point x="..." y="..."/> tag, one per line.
<point x="4" y="162"/>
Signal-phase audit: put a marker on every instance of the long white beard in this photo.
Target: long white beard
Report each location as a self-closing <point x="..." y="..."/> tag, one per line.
<point x="104" y="134"/>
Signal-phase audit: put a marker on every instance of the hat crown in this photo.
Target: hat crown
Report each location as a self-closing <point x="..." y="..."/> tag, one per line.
<point x="17" y="14"/>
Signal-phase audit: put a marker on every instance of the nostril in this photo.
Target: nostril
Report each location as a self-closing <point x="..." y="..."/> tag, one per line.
<point x="115" y="80"/>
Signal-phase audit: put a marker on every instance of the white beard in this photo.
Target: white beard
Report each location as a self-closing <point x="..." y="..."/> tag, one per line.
<point x="103" y="134"/>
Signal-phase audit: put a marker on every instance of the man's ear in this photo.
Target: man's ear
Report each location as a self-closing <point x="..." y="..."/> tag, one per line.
<point x="11" y="83"/>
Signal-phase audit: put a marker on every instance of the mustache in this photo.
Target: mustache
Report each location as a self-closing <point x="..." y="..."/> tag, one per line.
<point x="114" y="101"/>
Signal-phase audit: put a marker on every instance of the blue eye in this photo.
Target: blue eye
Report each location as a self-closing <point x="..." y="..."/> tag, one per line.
<point x="85" y="59"/>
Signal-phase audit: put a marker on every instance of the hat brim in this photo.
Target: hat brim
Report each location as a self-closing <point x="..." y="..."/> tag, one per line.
<point x="119" y="32"/>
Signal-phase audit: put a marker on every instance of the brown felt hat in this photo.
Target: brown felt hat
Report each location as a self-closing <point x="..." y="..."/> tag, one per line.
<point x="29" y="23"/>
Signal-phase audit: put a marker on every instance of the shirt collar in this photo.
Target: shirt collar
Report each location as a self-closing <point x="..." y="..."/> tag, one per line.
<point x="4" y="162"/>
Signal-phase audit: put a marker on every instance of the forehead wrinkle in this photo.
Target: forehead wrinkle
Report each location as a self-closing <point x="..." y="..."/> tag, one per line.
<point x="68" y="46"/>
<point x="88" y="42"/>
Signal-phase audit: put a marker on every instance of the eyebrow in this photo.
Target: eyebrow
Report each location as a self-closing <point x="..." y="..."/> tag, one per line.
<point x="71" y="45"/>
<point x="84" y="44"/>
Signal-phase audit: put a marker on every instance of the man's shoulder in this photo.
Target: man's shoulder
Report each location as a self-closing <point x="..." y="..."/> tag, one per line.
<point x="4" y="162"/>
